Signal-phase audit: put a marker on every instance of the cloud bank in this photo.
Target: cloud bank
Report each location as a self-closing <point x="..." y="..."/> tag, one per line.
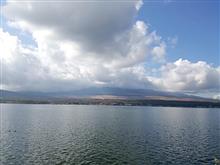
<point x="99" y="43"/>
<point x="187" y="76"/>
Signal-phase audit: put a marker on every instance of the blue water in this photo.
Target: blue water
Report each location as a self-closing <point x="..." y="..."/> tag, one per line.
<point x="81" y="134"/>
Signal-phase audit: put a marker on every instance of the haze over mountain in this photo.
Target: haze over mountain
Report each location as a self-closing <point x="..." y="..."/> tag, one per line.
<point x="102" y="93"/>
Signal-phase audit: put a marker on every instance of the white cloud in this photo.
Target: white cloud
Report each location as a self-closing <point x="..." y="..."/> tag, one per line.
<point x="77" y="44"/>
<point x="94" y="25"/>
<point x="139" y="4"/>
<point x="104" y="30"/>
<point x="184" y="75"/>
<point x="43" y="68"/>
<point x="159" y="51"/>
<point x="91" y="44"/>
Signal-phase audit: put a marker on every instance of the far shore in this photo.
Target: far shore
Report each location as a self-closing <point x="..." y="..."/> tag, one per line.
<point x="120" y="102"/>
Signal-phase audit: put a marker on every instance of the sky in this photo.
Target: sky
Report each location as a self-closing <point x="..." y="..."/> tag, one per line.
<point x="194" y="23"/>
<point x="65" y="45"/>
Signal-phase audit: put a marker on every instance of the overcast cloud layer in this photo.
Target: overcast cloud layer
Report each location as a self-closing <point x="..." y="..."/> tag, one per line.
<point x="92" y="44"/>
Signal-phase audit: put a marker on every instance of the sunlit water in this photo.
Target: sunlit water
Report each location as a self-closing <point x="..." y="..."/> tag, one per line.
<point x="80" y="134"/>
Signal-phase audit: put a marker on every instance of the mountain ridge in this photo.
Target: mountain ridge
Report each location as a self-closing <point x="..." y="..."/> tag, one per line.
<point x="109" y="96"/>
<point x="104" y="92"/>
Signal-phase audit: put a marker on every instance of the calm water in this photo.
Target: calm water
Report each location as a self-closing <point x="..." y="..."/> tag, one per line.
<point x="72" y="134"/>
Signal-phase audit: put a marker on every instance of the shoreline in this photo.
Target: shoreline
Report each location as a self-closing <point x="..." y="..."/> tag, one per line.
<point x="118" y="102"/>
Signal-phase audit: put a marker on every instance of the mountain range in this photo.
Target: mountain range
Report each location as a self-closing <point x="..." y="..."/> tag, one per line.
<point x="101" y="93"/>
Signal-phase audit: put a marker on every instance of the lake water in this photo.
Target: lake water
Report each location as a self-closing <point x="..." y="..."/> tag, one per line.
<point x="81" y="134"/>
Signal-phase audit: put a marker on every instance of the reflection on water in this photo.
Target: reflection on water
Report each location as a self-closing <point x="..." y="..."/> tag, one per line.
<point x="72" y="134"/>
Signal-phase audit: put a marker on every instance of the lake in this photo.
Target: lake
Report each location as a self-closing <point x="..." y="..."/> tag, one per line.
<point x="92" y="134"/>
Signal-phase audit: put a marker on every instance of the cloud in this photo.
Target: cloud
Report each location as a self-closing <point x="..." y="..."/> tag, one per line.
<point x="104" y="30"/>
<point x="159" y="51"/>
<point x="93" y="25"/>
<point x="77" y="44"/>
<point x="100" y="43"/>
<point x="41" y="68"/>
<point x="183" y="75"/>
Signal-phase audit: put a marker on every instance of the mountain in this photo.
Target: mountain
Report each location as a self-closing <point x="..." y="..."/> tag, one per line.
<point x="100" y="93"/>
<point x="109" y="96"/>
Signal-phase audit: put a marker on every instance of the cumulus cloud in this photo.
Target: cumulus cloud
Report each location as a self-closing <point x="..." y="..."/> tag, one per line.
<point x="97" y="43"/>
<point x="105" y="30"/>
<point x="159" y="51"/>
<point x="184" y="75"/>
<point x="41" y="68"/>
<point x="77" y="44"/>
<point x="93" y="25"/>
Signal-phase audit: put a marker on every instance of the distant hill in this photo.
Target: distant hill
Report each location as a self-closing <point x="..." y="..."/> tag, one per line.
<point x="109" y="96"/>
<point x="101" y="93"/>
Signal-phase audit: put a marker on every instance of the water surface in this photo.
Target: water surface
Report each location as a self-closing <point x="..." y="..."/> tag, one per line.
<point x="81" y="134"/>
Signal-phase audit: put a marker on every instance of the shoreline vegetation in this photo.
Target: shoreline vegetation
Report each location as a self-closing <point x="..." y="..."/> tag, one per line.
<point x="119" y="102"/>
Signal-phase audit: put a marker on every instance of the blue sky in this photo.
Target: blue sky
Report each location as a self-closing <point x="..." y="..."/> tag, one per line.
<point x="195" y="23"/>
